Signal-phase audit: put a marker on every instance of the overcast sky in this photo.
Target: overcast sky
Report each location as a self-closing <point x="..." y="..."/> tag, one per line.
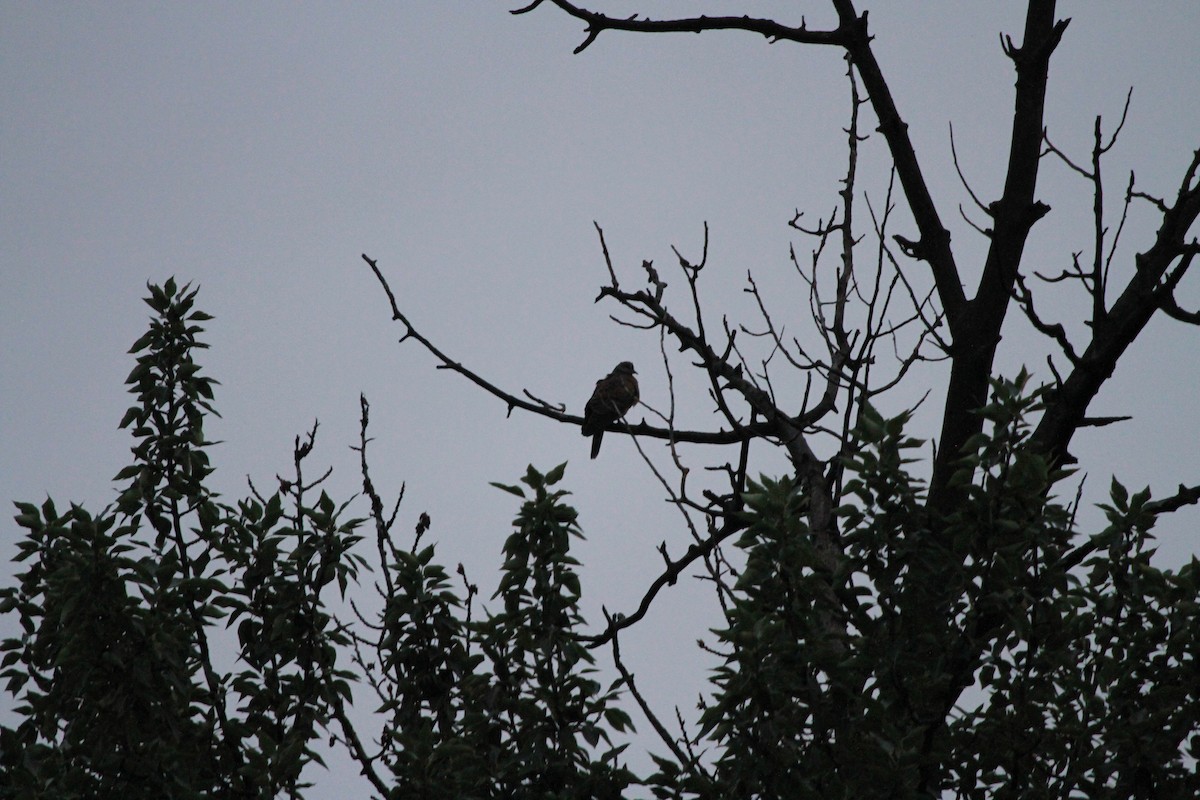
<point x="258" y="149"/>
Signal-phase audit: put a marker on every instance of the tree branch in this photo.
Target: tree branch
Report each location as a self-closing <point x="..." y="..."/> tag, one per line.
<point x="934" y="245"/>
<point x="669" y="576"/>
<point x="772" y="30"/>
<point x="1145" y="294"/>
<point x="542" y="408"/>
<point x="977" y="334"/>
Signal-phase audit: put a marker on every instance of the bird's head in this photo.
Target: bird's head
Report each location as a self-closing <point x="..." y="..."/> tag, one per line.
<point x="625" y="368"/>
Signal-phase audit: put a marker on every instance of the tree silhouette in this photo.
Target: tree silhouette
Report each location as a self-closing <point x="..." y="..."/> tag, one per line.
<point x="894" y="624"/>
<point x="910" y="597"/>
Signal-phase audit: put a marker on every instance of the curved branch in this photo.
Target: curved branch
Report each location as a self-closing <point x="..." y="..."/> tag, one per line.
<point x="668" y="577"/>
<point x="542" y="408"/>
<point x="963" y="178"/>
<point x="1054" y="330"/>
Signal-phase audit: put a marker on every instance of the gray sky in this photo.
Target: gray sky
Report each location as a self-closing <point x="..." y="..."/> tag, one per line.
<point x="258" y="149"/>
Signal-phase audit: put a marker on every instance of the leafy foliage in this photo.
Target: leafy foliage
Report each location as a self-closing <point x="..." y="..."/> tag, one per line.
<point x="1042" y="663"/>
<point x="118" y="675"/>
<point x="1038" y="675"/>
<point x="174" y="646"/>
<point x="507" y="707"/>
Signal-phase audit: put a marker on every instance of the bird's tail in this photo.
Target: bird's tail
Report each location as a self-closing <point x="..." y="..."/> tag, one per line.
<point x="596" y="442"/>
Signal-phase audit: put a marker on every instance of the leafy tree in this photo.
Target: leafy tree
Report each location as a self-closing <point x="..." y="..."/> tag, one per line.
<point x="119" y="676"/>
<point x="894" y="624"/>
<point x="116" y="674"/>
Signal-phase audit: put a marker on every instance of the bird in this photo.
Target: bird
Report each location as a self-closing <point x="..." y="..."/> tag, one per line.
<point x="614" y="395"/>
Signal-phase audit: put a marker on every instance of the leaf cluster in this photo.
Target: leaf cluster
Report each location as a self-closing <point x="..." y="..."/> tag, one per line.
<point x="507" y="706"/>
<point x="122" y="674"/>
<point x="983" y="655"/>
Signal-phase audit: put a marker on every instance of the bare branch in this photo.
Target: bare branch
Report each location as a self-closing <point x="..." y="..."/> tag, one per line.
<point x="933" y="247"/>
<point x="962" y="178"/>
<point x="674" y="568"/>
<point x="1166" y="293"/>
<point x="659" y="728"/>
<point x="558" y="407"/>
<point x="1055" y="330"/>
<point x="612" y="275"/>
<point x="1120" y="125"/>
<point x="1051" y="148"/>
<point x="773" y="31"/>
<point x="1100" y="422"/>
<point x="541" y="407"/>
<point x="850" y="34"/>
<point x="1144" y="294"/>
<point x="383" y="527"/>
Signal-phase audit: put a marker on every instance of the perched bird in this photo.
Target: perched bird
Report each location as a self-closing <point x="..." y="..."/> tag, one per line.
<point x="615" y="394"/>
